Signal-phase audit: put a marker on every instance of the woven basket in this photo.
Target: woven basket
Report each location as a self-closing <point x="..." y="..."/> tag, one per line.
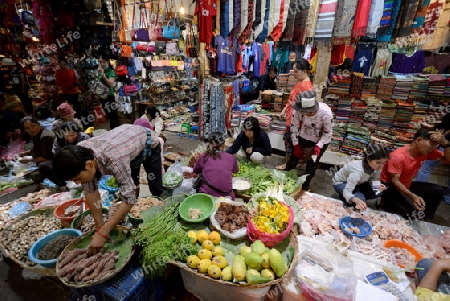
<point x="38" y="269"/>
<point x="118" y="268"/>
<point x="293" y="242"/>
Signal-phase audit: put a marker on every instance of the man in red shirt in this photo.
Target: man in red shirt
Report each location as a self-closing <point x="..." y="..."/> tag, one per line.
<point x="405" y="196"/>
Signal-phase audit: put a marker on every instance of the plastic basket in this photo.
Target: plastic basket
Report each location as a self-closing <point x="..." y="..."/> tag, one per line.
<point x="129" y="285"/>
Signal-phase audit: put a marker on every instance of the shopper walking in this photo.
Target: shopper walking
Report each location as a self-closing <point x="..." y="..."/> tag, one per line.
<point x="109" y="105"/>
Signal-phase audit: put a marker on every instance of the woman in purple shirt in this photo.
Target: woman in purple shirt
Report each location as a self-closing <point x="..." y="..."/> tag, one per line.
<point x="217" y="168"/>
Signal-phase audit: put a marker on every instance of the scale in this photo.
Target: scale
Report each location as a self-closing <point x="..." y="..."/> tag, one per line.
<point x="382" y="281"/>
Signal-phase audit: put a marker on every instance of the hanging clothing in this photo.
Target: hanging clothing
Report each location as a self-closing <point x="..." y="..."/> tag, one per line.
<point x="247" y="32"/>
<point x="259" y="20"/>
<point x="288" y="31"/>
<point x="256" y="59"/>
<point x="266" y="48"/>
<point x="259" y="11"/>
<point x="405" y="18"/>
<point x="230" y="16"/>
<point x="205" y="11"/>
<point x="363" y="59"/>
<point x="244" y="17"/>
<point x="246" y="52"/>
<point x="337" y="55"/>
<point x="350" y="51"/>
<point x="263" y="34"/>
<point x="384" y="34"/>
<point x="404" y="64"/>
<point x="419" y="18"/>
<point x="386" y="18"/>
<point x="325" y="21"/>
<point x="299" y="27"/>
<point x="382" y="63"/>
<point x="236" y="19"/>
<point x="280" y="58"/>
<point x="431" y="19"/>
<point x="311" y="21"/>
<point x="224" y="17"/>
<point x="375" y="15"/>
<point x="343" y="24"/>
<point x="278" y="29"/>
<point x="227" y="50"/>
<point x="361" y="18"/>
<point x="274" y="15"/>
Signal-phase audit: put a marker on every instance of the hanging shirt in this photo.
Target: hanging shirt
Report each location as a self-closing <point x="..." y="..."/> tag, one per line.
<point x="227" y="51"/>
<point x="280" y="58"/>
<point x="262" y="62"/>
<point x="383" y="61"/>
<point x="205" y="11"/>
<point x="404" y="64"/>
<point x="256" y="59"/>
<point x="363" y="59"/>
<point x="246" y="54"/>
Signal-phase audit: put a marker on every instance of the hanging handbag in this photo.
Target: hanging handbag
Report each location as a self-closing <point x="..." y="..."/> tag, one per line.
<point x="171" y="31"/>
<point x="172" y="48"/>
<point x="180" y="66"/>
<point x="141" y="46"/>
<point x="151" y="47"/>
<point x="121" y="70"/>
<point x="160" y="47"/>
<point x="127" y="51"/>
<point x="142" y="33"/>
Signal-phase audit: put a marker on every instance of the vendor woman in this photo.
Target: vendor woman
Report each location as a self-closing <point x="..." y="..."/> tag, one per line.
<point x="252" y="143"/>
<point x="41" y="153"/>
<point x="119" y="153"/>
<point x="216" y="168"/>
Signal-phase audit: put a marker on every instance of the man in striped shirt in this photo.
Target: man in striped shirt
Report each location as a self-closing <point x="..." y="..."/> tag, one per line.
<point x="119" y="153"/>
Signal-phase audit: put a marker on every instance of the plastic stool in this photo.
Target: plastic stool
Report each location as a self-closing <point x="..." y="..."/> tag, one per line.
<point x="186" y="126"/>
<point x="194" y="128"/>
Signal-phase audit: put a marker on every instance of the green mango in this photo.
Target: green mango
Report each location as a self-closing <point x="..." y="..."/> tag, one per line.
<point x="258" y="247"/>
<point x="253" y="277"/>
<point x="253" y="261"/>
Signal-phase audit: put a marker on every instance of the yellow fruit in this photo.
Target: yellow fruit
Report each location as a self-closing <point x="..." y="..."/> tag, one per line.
<point x="277" y="263"/>
<point x="203" y="265"/>
<point x="214" y="236"/>
<point x="204" y="254"/>
<point x="258" y="247"/>
<point x="208" y="245"/>
<point x="268" y="274"/>
<point x="239" y="268"/>
<point x="193" y="236"/>
<point x="218" y="251"/>
<point x="266" y="262"/>
<point x="254" y="277"/>
<point x="214" y="271"/>
<point x="244" y="250"/>
<point x="226" y="274"/>
<point x="202" y="235"/>
<point x="220" y="261"/>
<point x="192" y="261"/>
<point x="253" y="261"/>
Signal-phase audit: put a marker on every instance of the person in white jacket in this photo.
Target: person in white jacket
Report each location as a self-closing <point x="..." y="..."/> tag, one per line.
<point x="353" y="182"/>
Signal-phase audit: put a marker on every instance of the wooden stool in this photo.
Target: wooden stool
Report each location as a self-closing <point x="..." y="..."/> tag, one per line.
<point x="186" y="126"/>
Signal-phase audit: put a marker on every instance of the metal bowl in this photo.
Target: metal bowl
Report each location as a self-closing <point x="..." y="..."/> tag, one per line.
<point x="240" y="190"/>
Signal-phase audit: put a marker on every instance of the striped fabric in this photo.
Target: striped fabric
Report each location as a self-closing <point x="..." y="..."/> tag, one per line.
<point x="325" y="21"/>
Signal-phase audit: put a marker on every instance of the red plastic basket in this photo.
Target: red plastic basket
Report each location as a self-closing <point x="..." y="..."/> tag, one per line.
<point x="269" y="240"/>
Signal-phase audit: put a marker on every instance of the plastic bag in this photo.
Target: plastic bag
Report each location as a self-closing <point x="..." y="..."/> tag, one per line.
<point x="184" y="188"/>
<point x="54" y="200"/>
<point x="325" y="274"/>
<point x="174" y="174"/>
<point x="19" y="209"/>
<point x="238" y="234"/>
<point x="108" y="197"/>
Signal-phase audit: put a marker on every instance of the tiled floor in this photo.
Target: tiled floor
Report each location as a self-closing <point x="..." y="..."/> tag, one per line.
<point x="13" y="287"/>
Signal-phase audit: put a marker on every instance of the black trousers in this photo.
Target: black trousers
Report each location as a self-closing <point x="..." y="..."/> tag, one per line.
<point x="393" y="201"/>
<point x="108" y="104"/>
<point x="153" y="168"/>
<point x="311" y="166"/>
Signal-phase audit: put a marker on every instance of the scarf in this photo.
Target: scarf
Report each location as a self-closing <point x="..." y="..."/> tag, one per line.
<point x="343" y="23"/>
<point x="375" y="15"/>
<point x="300" y="29"/>
<point x="384" y="33"/>
<point x="405" y="18"/>
<point x="361" y="18"/>
<point x="325" y="21"/>
<point x="311" y="20"/>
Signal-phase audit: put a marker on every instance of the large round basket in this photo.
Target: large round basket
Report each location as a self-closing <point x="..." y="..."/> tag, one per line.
<point x="38" y="269"/>
<point x="119" y="241"/>
<point x="227" y="285"/>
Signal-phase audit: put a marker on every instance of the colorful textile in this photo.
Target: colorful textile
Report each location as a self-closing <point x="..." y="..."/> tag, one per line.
<point x="345" y="13"/>
<point x="405" y="18"/>
<point x="288" y="31"/>
<point x="262" y="31"/>
<point x="311" y="21"/>
<point x="299" y="28"/>
<point x="405" y="65"/>
<point x="361" y="18"/>
<point x="325" y="21"/>
<point x="384" y="33"/>
<point x="375" y="15"/>
<point x="383" y="61"/>
<point x="431" y="19"/>
<point x="363" y="59"/>
<point x="205" y="12"/>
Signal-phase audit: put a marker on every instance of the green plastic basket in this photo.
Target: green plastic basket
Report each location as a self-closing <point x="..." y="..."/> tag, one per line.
<point x="201" y="201"/>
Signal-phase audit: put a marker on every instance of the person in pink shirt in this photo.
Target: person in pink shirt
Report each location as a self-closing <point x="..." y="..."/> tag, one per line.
<point x="300" y="72"/>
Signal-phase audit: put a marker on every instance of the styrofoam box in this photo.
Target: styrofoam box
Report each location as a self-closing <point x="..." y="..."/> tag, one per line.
<point x="207" y="290"/>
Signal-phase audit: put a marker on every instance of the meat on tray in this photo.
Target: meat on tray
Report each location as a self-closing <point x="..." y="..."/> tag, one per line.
<point x="78" y="266"/>
<point x="231" y="217"/>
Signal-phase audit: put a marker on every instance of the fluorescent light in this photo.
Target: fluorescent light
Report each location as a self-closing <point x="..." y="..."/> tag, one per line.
<point x="182" y="10"/>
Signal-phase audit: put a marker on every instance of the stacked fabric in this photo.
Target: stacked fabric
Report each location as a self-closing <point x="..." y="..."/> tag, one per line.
<point x="386" y="87"/>
<point x="356" y="86"/>
<point x="283" y="81"/>
<point x="404" y="136"/>
<point x="384" y="137"/>
<point x="264" y="121"/>
<point x="420" y="113"/>
<point x="339" y="84"/>
<point x="357" y="112"/>
<point x="436" y="90"/>
<point x="387" y="115"/>
<point x="404" y="114"/>
<point x="332" y="101"/>
<point x="447" y="89"/>
<point x="344" y="108"/>
<point x="356" y="140"/>
<point x="369" y="87"/>
<point x="339" y="131"/>
<point x="292" y="81"/>
<point x="402" y="87"/>
<point x="373" y="111"/>
<point x="278" y="126"/>
<point x="419" y="88"/>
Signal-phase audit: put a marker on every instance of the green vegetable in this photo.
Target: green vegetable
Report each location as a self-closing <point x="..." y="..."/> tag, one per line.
<point x="111" y="182"/>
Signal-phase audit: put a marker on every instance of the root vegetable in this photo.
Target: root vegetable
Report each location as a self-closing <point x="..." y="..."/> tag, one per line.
<point x="70" y="256"/>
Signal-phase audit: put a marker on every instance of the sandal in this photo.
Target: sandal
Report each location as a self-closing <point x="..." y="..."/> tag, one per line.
<point x="281" y="167"/>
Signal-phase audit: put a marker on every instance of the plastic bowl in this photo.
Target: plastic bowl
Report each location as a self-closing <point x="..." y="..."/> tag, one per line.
<point x="364" y="227"/>
<point x="201" y="201"/>
<point x="77" y="220"/>
<point x="38" y="245"/>
<point x="59" y="211"/>
<point x="395" y="243"/>
<point x="243" y="180"/>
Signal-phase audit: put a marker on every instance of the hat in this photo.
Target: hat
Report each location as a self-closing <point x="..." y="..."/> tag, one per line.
<point x="65" y="110"/>
<point x="306" y="102"/>
<point x="13" y="102"/>
<point x="142" y="122"/>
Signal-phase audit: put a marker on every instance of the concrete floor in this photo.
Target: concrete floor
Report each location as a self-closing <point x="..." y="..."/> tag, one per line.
<point x="13" y="287"/>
